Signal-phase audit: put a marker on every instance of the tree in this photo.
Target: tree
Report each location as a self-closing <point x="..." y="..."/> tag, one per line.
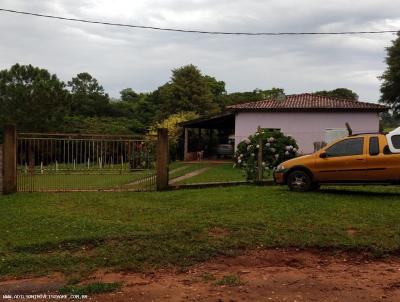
<point x="32" y="98"/>
<point x="88" y="96"/>
<point x="187" y="91"/>
<point x="217" y="89"/>
<point x="340" y="93"/>
<point x="175" y="132"/>
<point x="99" y="125"/>
<point x="251" y="96"/>
<point x="390" y="88"/>
<point x="128" y="95"/>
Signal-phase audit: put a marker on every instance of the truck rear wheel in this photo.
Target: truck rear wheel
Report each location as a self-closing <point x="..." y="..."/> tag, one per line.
<point x="300" y="181"/>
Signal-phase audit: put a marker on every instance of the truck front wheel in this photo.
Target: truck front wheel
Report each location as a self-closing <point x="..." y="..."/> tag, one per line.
<point x="300" y="181"/>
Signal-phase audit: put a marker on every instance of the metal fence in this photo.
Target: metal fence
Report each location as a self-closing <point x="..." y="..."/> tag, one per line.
<point x="68" y="162"/>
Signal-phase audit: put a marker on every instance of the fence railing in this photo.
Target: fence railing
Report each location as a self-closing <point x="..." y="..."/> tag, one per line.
<point x="74" y="162"/>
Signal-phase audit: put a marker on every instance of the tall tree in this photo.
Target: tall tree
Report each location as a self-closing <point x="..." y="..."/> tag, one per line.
<point x="217" y="89"/>
<point x="128" y="95"/>
<point x="88" y="96"/>
<point x="187" y="91"/>
<point x="32" y="98"/>
<point x="390" y="89"/>
<point x="340" y="93"/>
<point x="251" y="96"/>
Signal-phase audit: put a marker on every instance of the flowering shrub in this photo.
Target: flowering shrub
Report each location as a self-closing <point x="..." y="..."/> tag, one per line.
<point x="276" y="148"/>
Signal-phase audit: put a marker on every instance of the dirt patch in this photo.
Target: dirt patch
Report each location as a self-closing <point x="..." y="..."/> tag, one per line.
<point x="42" y="285"/>
<point x="351" y="232"/>
<point x="265" y="275"/>
<point x="218" y="232"/>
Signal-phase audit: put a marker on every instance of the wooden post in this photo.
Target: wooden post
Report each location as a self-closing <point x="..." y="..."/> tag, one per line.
<point x="10" y="160"/>
<point x="162" y="159"/>
<point x="260" y="155"/>
<point x="186" y="145"/>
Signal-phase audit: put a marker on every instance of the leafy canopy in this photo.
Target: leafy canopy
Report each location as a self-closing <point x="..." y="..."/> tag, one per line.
<point x="340" y="93"/>
<point x="88" y="96"/>
<point x="187" y="91"/>
<point x="390" y="88"/>
<point x="32" y="98"/>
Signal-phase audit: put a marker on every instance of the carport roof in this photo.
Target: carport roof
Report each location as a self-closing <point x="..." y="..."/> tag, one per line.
<point x="224" y="120"/>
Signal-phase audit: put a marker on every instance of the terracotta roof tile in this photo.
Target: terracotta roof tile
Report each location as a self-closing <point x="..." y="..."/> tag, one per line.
<point x="309" y="102"/>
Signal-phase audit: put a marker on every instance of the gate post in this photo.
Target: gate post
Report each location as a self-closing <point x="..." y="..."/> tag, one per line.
<point x="162" y="159"/>
<point x="10" y="160"/>
<point x="260" y="155"/>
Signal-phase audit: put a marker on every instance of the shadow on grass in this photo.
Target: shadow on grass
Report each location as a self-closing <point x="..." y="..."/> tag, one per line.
<point x="357" y="192"/>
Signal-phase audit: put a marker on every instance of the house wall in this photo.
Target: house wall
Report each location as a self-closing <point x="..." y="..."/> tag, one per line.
<point x="305" y="127"/>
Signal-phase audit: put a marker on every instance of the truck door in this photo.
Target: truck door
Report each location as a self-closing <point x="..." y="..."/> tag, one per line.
<point x="343" y="161"/>
<point x="377" y="163"/>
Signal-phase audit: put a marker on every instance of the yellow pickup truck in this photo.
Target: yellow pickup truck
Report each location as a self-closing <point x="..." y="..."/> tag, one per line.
<point x="357" y="159"/>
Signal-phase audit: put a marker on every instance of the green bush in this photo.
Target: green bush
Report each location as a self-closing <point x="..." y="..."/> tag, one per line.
<point x="276" y="148"/>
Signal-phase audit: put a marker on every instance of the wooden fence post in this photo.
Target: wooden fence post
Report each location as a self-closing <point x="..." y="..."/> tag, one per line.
<point x="260" y="155"/>
<point x="162" y="159"/>
<point x="10" y="160"/>
<point x="186" y="145"/>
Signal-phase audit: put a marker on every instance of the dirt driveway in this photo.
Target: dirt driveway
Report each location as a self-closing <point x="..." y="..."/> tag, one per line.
<point x="267" y="275"/>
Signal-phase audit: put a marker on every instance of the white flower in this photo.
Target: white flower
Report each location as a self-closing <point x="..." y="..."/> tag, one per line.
<point x="294" y="150"/>
<point x="258" y="146"/>
<point x="287" y="148"/>
<point x="239" y="161"/>
<point x="252" y="154"/>
<point x="276" y="156"/>
<point x="247" y="141"/>
<point x="273" y="150"/>
<point x="287" y="153"/>
<point x="241" y="155"/>
<point x="263" y="164"/>
<point x="271" y="139"/>
<point x="267" y="145"/>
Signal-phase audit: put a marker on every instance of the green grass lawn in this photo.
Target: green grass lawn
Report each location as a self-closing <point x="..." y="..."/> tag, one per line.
<point x="83" y="181"/>
<point x="76" y="233"/>
<point x="216" y="173"/>
<point x="221" y="172"/>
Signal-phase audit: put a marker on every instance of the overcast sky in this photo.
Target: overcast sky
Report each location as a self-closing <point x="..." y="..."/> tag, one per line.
<point x="143" y="59"/>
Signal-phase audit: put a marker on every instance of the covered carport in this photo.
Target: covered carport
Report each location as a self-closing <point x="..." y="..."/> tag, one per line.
<point x="216" y="128"/>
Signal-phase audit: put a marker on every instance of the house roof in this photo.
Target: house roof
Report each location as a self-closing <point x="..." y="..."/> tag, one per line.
<point x="309" y="102"/>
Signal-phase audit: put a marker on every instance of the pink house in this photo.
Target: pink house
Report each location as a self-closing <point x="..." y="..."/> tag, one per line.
<point x="310" y="119"/>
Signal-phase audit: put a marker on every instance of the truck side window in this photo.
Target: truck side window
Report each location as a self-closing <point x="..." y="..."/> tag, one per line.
<point x="386" y="150"/>
<point x="347" y="147"/>
<point x="373" y="146"/>
<point x="396" y="141"/>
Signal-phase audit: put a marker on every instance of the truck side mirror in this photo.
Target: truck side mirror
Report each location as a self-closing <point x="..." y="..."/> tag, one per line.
<point x="323" y="155"/>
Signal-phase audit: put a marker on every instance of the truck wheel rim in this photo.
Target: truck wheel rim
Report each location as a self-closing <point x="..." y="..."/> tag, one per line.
<point x="299" y="182"/>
